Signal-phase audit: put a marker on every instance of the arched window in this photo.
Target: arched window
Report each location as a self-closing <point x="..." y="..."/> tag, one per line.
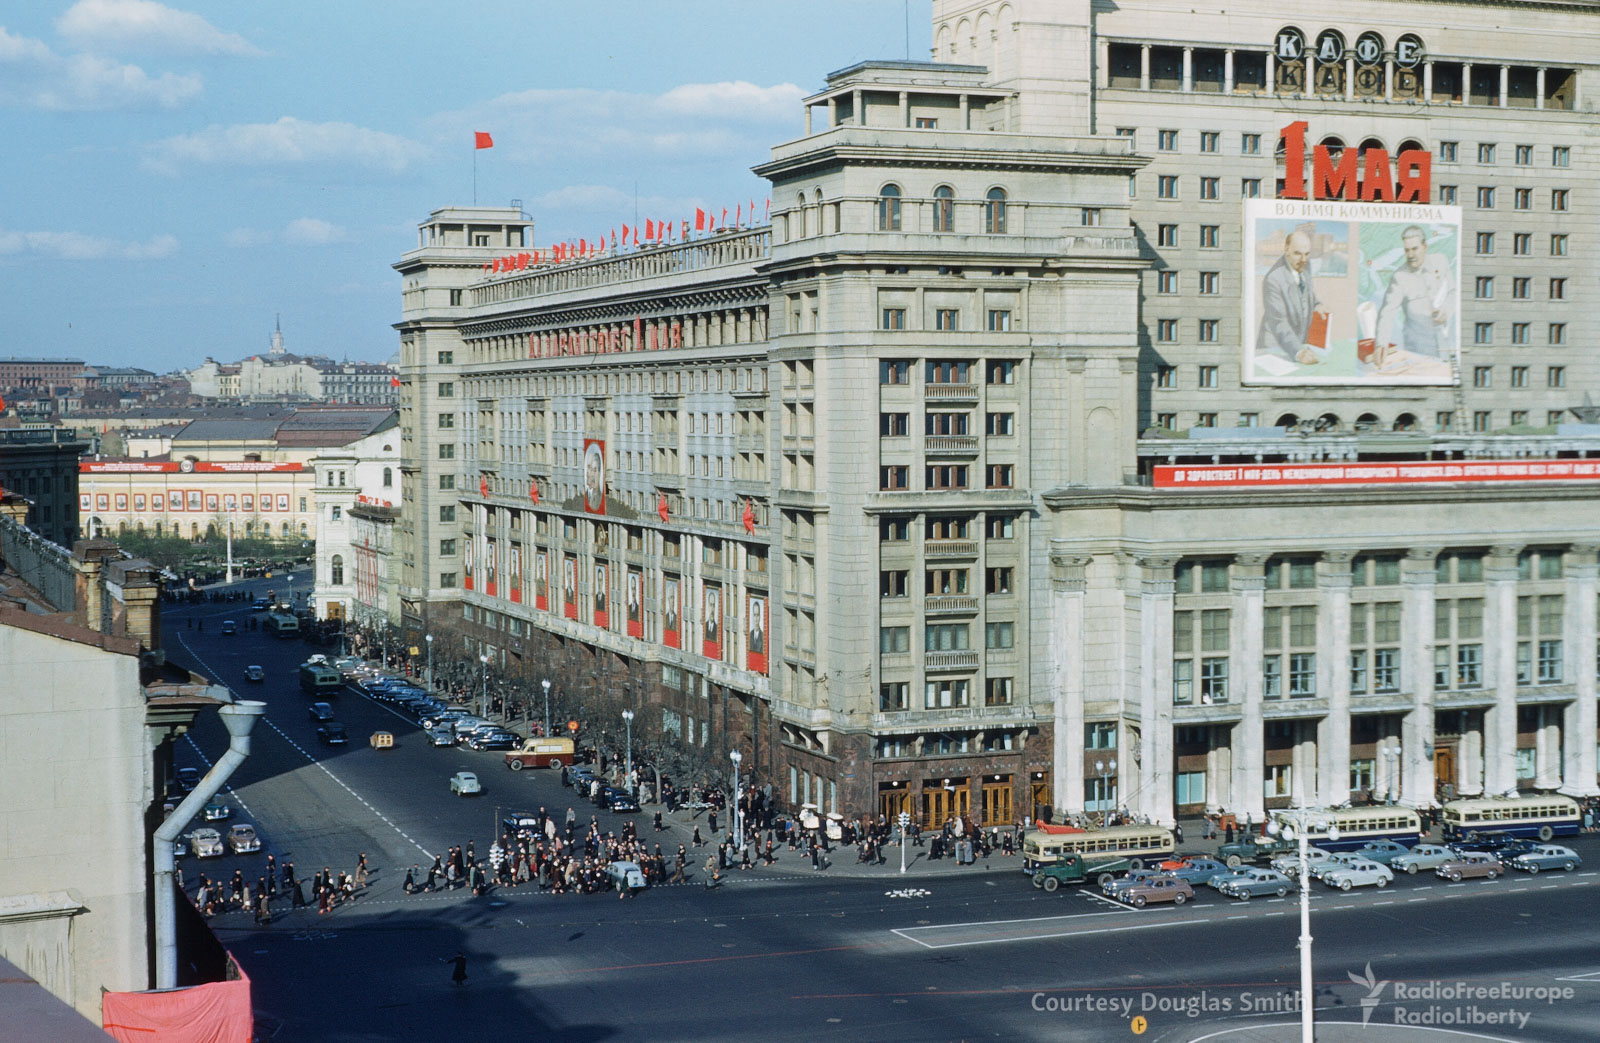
<point x="303" y="530"/>
<point x="1328" y="422"/>
<point x="822" y="224"/>
<point x="889" y="208"/>
<point x="800" y="208"/>
<point x="1405" y="422"/>
<point x="994" y="212"/>
<point x="285" y="530"/>
<point x="336" y="570"/>
<point x="944" y="209"/>
<point x="1288" y="420"/>
<point x="388" y="477"/>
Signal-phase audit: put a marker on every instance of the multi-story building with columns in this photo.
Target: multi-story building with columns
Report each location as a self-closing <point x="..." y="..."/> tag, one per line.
<point x="1032" y="517"/>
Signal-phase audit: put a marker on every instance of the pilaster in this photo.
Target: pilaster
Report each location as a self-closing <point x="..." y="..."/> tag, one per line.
<point x="1068" y="582"/>
<point x="1579" y="717"/>
<point x="1500" y="668"/>
<point x="1155" y="794"/>
<point x="1333" y="676"/>
<point x="1417" y="574"/>
<point x="1248" y="585"/>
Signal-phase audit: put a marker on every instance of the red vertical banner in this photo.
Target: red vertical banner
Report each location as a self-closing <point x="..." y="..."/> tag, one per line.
<point x="569" y="586"/>
<point x="491" y="561"/>
<point x="635" y="603"/>
<point x="755" y="651"/>
<point x="671" y="613"/>
<point x="602" y="595"/>
<point x="466" y="561"/>
<point x="711" y="615"/>
<point x="514" y="571"/>
<point x="541" y="580"/>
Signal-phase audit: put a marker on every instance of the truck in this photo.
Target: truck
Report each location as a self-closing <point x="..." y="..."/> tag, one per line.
<point x="319" y="679"/>
<point x="1071" y="868"/>
<point x="540" y="753"/>
<point x="1254" y="849"/>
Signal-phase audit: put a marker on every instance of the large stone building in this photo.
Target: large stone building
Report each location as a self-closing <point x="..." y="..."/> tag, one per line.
<point x="41" y="464"/>
<point x="1088" y="429"/>
<point x="354" y="484"/>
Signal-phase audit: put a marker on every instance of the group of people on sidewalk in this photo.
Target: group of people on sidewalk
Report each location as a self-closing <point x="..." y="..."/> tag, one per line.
<point x="328" y="890"/>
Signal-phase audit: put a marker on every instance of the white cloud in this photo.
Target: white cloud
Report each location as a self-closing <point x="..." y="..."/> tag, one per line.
<point x="147" y="26"/>
<point x="302" y="231"/>
<point x="734" y="100"/>
<point x="288" y="141"/>
<point x="75" y="246"/>
<point x="34" y="76"/>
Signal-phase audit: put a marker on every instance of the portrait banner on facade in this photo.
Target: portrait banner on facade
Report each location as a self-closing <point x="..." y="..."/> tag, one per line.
<point x="711" y="616"/>
<point x="514" y="571"/>
<point x="594" y="475"/>
<point x="602" y="595"/>
<point x="756" y="650"/>
<point x="672" y="613"/>
<point x="541" y="580"/>
<point x="635" y="603"/>
<point x="466" y="562"/>
<point x="569" y="587"/>
<point x="1350" y="293"/>
<point x="491" y="558"/>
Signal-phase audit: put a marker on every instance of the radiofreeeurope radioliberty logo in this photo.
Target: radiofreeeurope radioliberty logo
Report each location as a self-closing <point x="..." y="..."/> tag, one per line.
<point x="1442" y="1004"/>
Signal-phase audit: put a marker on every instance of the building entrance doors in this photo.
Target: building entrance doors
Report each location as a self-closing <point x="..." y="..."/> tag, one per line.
<point x="893" y="801"/>
<point x="1444" y="770"/>
<point x="940" y="804"/>
<point x="997" y="802"/>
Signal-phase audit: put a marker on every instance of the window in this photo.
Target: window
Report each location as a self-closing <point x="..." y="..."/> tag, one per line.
<point x="894" y="478"/>
<point x="944" y="209"/>
<point x="1520" y="287"/>
<point x="1205" y="420"/>
<point x="1558" y="289"/>
<point x="1167" y="421"/>
<point x="997" y="580"/>
<point x="1558" y="333"/>
<point x="1447" y="151"/>
<point x="1519" y="417"/>
<point x="927" y="123"/>
<point x="894" y="530"/>
<point x="1000" y="424"/>
<point x="997" y="691"/>
<point x="1519" y="333"/>
<point x="447" y="579"/>
<point x="1127" y="132"/>
<point x="894" y="319"/>
<point x="948" y="372"/>
<point x="889" y="208"/>
<point x="999" y="526"/>
<point x="946" y="423"/>
<point x="994" y="211"/>
<point x="1485" y="152"/>
<point x="1558" y="199"/>
<point x="999" y="476"/>
<point x="946" y="637"/>
<point x="1447" y="195"/>
<point x="1208" y="237"/>
<point x="447" y="420"/>
<point x="941" y="694"/>
<point x="894" y="425"/>
<point x="1000" y="372"/>
<point x="1522" y="199"/>
<point x="1483" y="287"/>
<point x="894" y="371"/>
<point x="1558" y="245"/>
<point x="447" y="548"/>
<point x="945" y="476"/>
<point x="1167" y="140"/>
<point x="1166" y="330"/>
<point x="447" y="389"/>
<point x="1250" y="188"/>
<point x="1208" y="140"/>
<point x="1519" y="376"/>
<point x="946" y="319"/>
<point x="1524" y="155"/>
<point x="1100" y="735"/>
<point x="1560" y="156"/>
<point x="447" y="512"/>
<point x="999" y="320"/>
<point x="1483" y="333"/>
<point x="1167" y="186"/>
<point x="447" y="481"/>
<point x="447" y="451"/>
<point x="1483" y="376"/>
<point x="1167" y="282"/>
<point x="447" y="358"/>
<point x="999" y="635"/>
<point x="1485" y="243"/>
<point x="1522" y="244"/>
<point x="1166" y="235"/>
<point x="1166" y="376"/>
<point x="1089" y="216"/>
<point x="1480" y="420"/>
<point x="895" y="695"/>
<point x="1208" y="376"/>
<point x="1250" y="144"/>
<point x="1209" y="282"/>
<point x="1555" y="377"/>
<point x="1485" y="197"/>
<point x="1209" y="187"/>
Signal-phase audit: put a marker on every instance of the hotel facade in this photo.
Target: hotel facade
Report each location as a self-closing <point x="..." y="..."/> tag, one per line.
<point x="985" y="478"/>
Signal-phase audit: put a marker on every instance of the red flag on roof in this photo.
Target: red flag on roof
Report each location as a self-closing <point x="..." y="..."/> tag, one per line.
<point x="749" y="517"/>
<point x="724" y="217"/>
<point x="699" y="220"/>
<point x="481" y="139"/>
<point x="483" y="486"/>
<point x="661" y="507"/>
<point x="624" y="233"/>
<point x="583" y="247"/>
<point x="738" y="216"/>
<point x="649" y="229"/>
<point x="394" y="382"/>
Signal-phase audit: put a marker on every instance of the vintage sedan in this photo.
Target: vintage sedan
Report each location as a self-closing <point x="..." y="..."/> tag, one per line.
<point x="464" y="784"/>
<point x="1289" y="864"/>
<point x="1251" y="883"/>
<point x="254" y="674"/>
<point x="320" y="711"/>
<point x="1384" y="852"/>
<point x="618" y="799"/>
<point x="1423" y="856"/>
<point x="1337" y="860"/>
<point x="1362" y="872"/>
<point x="1470" y="863"/>
<point x="207" y="843"/>
<point x="626" y="877"/>
<point x="494" y="740"/>
<point x="216" y="811"/>
<point x="332" y="734"/>
<point x="242" y="838"/>
<point x="1158" y="889"/>
<point x="1116" y="888"/>
<point x="1546" y="856"/>
<point x="440" y="735"/>
<point x="1196" y="869"/>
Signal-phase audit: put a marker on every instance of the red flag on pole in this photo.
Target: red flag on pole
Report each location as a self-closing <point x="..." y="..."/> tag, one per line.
<point x="685" y="229"/>
<point x="483" y="486"/>
<point x="724" y="217"/>
<point x="699" y="220"/>
<point x="661" y="507"/>
<point x="624" y="233"/>
<point x="394" y="382"/>
<point x="533" y="489"/>
<point x="583" y="247"/>
<point x="769" y="205"/>
<point x="481" y="139"/>
<point x="749" y="517"/>
<point x="738" y="216"/>
<point x="649" y="229"/>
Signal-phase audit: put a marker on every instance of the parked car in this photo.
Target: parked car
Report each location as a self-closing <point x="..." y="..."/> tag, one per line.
<point x="464" y="783"/>
<point x="1116" y="888"/>
<point x="617" y="799"/>
<point x="229" y="627"/>
<point x="320" y="712"/>
<point x="216" y="811"/>
<point x="1384" y="852"/>
<point x="259" y="605"/>
<point x="1253" y="849"/>
<point x="207" y="843"/>
<point x="1289" y="865"/>
<point x="1158" y="889"/>
<point x="433" y="720"/>
<point x="186" y="779"/>
<point x="1360" y="873"/>
<point x="1222" y="880"/>
<point x="440" y="735"/>
<point x="1546" y="856"/>
<point x="580" y="777"/>
<point x="332" y="734"/>
<point x="1251" y="883"/>
<point x="1470" y="863"/>
<point x="254" y="674"/>
<point x="1196" y="869"/>
<point x="242" y="838"/>
<point x="1423" y="856"/>
<point x="1503" y="845"/>
<point x="1332" y="862"/>
<point x="494" y="741"/>
<point x="626" y="876"/>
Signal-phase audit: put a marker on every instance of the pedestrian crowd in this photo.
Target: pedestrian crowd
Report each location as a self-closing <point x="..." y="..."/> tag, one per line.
<point x="327" y="890"/>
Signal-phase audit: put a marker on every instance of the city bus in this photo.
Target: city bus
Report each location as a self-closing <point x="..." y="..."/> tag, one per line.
<point x="282" y="624"/>
<point x="1542" y="817"/>
<point x="320" y="680"/>
<point x="1141" y="845"/>
<point x="1357" y="826"/>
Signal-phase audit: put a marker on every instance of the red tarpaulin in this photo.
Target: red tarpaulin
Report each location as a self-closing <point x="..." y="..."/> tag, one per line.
<point x="214" y="1013"/>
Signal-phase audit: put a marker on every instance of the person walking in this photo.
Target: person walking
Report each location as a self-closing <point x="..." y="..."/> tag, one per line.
<point x="713" y="874"/>
<point x="458" y="974"/>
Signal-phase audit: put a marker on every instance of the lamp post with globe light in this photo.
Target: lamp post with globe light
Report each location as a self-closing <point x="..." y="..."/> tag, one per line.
<point x="738" y="823"/>
<point x="1294" y="824"/>
<point x="428" y="639"/>
<point x="546" y="731"/>
<point x="483" y="710"/>
<point x="627" y="778"/>
<point x="1105" y="771"/>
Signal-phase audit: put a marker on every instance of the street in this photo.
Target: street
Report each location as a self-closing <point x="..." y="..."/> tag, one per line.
<point x="788" y="953"/>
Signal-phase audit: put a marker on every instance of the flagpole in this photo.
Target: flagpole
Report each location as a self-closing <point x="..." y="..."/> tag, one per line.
<point x="474" y="175"/>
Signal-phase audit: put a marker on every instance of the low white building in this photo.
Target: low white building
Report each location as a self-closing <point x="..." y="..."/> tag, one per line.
<point x="362" y="474"/>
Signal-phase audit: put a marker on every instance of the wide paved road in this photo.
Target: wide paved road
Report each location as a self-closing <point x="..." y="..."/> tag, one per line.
<point x="791" y="956"/>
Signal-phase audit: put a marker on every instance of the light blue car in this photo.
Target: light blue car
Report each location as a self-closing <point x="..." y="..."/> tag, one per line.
<point x="1195" y="870"/>
<point x="1383" y="852"/>
<point x="1423" y="856"/>
<point x="1255" y="882"/>
<point x="1547" y="856"/>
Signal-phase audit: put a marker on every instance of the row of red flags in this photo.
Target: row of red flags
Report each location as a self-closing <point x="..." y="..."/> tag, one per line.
<point x="651" y="232"/>
<point x="748" y="517"/>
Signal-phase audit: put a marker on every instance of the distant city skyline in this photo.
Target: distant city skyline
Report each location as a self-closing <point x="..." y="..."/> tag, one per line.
<point x="196" y="170"/>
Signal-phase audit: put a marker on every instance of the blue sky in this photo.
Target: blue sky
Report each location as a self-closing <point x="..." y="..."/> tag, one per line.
<point x="176" y="175"/>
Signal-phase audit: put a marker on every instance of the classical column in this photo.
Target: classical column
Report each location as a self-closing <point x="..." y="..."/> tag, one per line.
<point x="1227" y="71"/>
<point x="1469" y="761"/>
<point x="1188" y="69"/>
<point x="1500" y="668"/>
<point x="1068" y="581"/>
<point x="1144" y="67"/>
<point x="1466" y="83"/>
<point x="857" y="111"/>
<point x="1350" y="78"/>
<point x="808" y="121"/>
<point x="1547" y="749"/>
<point x="1102" y="62"/>
<point x="1388" y="79"/>
<point x="1578" y="641"/>
<point x="1417" y="573"/>
<point x="1505" y="85"/>
<point x="1538" y="88"/>
<point x="833" y="112"/>
<point x="1272" y="72"/>
<point x="1427" y="82"/>
<point x="966" y="112"/>
<point x="1333" y="675"/>
<point x="905" y="109"/>
<point x="1248" y="583"/>
<point x="1156" y="762"/>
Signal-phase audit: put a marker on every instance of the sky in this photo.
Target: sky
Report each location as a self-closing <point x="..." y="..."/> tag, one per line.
<point x="178" y="177"/>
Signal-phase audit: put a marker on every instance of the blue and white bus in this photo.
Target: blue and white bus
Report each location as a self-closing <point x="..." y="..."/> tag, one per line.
<point x="1543" y="817"/>
<point x="1357" y="826"/>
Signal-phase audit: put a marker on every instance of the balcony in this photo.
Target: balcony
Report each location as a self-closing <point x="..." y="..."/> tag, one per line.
<point x="950" y="392"/>
<point x="951" y="604"/>
<point x="950" y="549"/>
<point x="950" y="661"/>
<point x="951" y="445"/>
<point x="666" y="479"/>
<point x="751" y="443"/>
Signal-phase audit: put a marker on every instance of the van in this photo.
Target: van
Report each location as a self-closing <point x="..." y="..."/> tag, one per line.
<point x="540" y="753"/>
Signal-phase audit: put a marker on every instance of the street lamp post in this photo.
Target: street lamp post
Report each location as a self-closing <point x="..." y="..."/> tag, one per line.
<point x="905" y="821"/>
<point x="483" y="710"/>
<point x="1391" y="756"/>
<point x="1300" y="821"/>
<point x="428" y="639"/>
<point x="547" y="708"/>
<point x="738" y="824"/>
<point x="627" y="778"/>
<point x="1105" y="772"/>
